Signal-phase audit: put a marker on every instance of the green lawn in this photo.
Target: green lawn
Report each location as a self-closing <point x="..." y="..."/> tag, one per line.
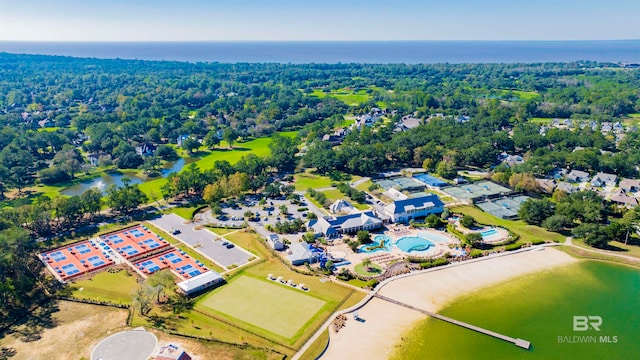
<point x="334" y="194"/>
<point x="184" y="212"/>
<point x="541" y="121"/>
<point x="268" y="305"/>
<point x="349" y="97"/>
<point x="221" y="231"/>
<point x="362" y="270"/>
<point x="524" y="95"/>
<point x="632" y="120"/>
<point x="527" y="232"/>
<point x="309" y="180"/>
<point x="105" y="286"/>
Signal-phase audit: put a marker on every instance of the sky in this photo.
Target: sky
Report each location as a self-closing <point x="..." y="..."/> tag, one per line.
<point x="273" y="20"/>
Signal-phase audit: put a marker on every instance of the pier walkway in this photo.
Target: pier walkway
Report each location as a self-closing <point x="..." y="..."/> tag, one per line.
<point x="518" y="342"/>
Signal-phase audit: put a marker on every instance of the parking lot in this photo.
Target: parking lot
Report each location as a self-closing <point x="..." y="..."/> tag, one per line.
<point x="203" y="241"/>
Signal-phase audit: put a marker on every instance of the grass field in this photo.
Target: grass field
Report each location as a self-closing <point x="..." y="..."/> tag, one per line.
<point x="184" y="212"/>
<point x="116" y="288"/>
<point x="360" y="269"/>
<point x="524" y="95"/>
<point x="349" y="97"/>
<point x="334" y="194"/>
<point x="259" y="147"/>
<point x="274" y="307"/>
<point x="632" y="120"/>
<point x="308" y="180"/>
<point x="248" y="241"/>
<point x="318" y="346"/>
<point x="541" y="121"/>
<point x="527" y="232"/>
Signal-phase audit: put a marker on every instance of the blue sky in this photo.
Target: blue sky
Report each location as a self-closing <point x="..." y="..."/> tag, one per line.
<point x="201" y="20"/>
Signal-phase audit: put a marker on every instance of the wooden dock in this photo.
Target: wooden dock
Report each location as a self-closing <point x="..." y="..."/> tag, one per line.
<point x="518" y="342"/>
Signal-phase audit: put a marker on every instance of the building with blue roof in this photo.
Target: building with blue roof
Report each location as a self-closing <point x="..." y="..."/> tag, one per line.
<point x="402" y="211"/>
<point x="331" y="227"/>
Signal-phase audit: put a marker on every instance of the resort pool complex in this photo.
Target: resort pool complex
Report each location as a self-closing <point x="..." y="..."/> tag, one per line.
<point x="413" y="243"/>
<point x="380" y="243"/>
<point x="434" y="238"/>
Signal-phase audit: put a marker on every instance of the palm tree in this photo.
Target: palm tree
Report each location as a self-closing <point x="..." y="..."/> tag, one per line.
<point x="367" y="264"/>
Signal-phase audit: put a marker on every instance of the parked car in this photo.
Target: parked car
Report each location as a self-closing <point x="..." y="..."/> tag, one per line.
<point x="230" y="245"/>
<point x="176" y="232"/>
<point x="225" y="243"/>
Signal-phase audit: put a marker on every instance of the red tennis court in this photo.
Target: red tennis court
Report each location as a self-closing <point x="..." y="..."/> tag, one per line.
<point x="180" y="264"/>
<point x="135" y="242"/>
<point x="71" y="261"/>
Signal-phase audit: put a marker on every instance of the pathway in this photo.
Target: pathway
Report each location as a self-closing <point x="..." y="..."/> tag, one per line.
<point x="569" y="242"/>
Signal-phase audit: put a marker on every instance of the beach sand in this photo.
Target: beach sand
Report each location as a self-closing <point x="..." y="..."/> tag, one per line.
<point x="383" y="323"/>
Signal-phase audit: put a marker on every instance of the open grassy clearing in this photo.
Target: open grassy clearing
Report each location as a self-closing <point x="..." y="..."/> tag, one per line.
<point x="63" y="330"/>
<point x="115" y="288"/>
<point x="249" y="241"/>
<point x="348" y="96"/>
<point x="527" y="232"/>
<point x="362" y="270"/>
<point x="221" y="231"/>
<point x="307" y="180"/>
<point x="268" y="305"/>
<point x="632" y="120"/>
<point x="335" y="194"/>
<point x="524" y="95"/>
<point x="184" y="212"/>
<point x="615" y="247"/>
<point x="541" y="121"/>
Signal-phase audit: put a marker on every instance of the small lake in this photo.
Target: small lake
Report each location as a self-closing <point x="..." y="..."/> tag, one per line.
<point x="103" y="181"/>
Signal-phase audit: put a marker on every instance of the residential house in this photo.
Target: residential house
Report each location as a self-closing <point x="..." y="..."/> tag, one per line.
<point x="546" y="185"/>
<point x="181" y="138"/>
<point x="559" y="173"/>
<point x="566" y="187"/>
<point x="463" y="118"/>
<point x="510" y="160"/>
<point x="275" y="242"/>
<point x="200" y="282"/>
<point x="407" y="123"/>
<point x="146" y="149"/>
<point x="172" y="352"/>
<point x="630" y="185"/>
<point x="402" y="211"/>
<point x="622" y="199"/>
<point x="577" y="176"/>
<point x="604" y="179"/>
<point x="335" y="138"/>
<point x="331" y="227"/>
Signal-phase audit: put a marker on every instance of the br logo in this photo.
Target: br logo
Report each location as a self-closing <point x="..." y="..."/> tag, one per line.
<point x="583" y="323"/>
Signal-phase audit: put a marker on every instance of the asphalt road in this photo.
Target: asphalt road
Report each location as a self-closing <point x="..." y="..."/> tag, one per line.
<point x="203" y="242"/>
<point x="132" y="345"/>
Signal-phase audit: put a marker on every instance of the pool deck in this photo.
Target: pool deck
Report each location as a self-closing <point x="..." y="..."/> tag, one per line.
<point x="396" y="232"/>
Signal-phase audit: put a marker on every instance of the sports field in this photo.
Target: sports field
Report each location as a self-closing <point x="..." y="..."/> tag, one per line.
<point x="273" y="307"/>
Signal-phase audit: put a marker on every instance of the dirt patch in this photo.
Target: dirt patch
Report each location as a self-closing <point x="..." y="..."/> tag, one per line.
<point x="70" y="332"/>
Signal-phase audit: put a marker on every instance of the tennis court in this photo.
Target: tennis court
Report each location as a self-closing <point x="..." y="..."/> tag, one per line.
<point x="476" y="190"/>
<point x="72" y="261"/>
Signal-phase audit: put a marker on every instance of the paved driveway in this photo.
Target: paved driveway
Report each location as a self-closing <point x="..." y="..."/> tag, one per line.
<point x="203" y="242"/>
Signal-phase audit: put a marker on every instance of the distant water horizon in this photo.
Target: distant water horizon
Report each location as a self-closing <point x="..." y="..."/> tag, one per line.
<point x="331" y="52"/>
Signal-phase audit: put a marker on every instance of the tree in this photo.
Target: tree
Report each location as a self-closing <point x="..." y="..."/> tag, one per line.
<point x="126" y="198"/>
<point x="473" y="239"/>
<point x="143" y="298"/>
<point x="212" y="139"/>
<point x="283" y="153"/>
<point x="230" y="136"/>
<point x="367" y="264"/>
<point x="150" y="165"/>
<point x="190" y="144"/>
<point x="446" y="169"/>
<point x="364" y="237"/>
<point x="129" y="160"/>
<point x="446" y="213"/>
<point x="593" y="234"/>
<point x="556" y="223"/>
<point x="433" y="221"/>
<point x="166" y="152"/>
<point x="69" y="160"/>
<point x="160" y="281"/>
<point x="535" y="211"/>
<point x="468" y="221"/>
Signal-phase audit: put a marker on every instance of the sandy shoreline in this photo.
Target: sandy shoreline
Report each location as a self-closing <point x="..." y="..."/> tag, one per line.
<point x="385" y="323"/>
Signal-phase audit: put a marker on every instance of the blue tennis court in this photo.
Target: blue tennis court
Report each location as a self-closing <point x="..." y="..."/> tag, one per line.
<point x="189" y="270"/>
<point x="70" y="269"/>
<point x="57" y="256"/>
<point x="136" y="232"/>
<point x="96" y="261"/>
<point x="83" y="249"/>
<point x="152" y="244"/>
<point x="115" y="239"/>
<point x="150" y="266"/>
<point x="129" y="250"/>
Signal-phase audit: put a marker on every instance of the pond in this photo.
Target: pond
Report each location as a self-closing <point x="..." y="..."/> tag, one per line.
<point x="106" y="179"/>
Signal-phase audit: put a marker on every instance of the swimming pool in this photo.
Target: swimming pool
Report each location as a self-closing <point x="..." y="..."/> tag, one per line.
<point x="413" y="243"/>
<point x="377" y="240"/>
<point x="489" y="233"/>
<point x="434" y="238"/>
